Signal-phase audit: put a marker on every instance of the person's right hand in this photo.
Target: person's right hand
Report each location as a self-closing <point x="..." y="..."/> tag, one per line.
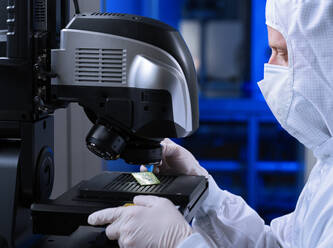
<point x="176" y="160"/>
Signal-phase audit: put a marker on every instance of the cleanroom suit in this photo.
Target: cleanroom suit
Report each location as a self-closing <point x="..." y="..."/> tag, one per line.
<point x="301" y="98"/>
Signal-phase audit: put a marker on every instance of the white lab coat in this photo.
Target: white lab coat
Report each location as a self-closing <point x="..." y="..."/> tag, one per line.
<point x="224" y="219"/>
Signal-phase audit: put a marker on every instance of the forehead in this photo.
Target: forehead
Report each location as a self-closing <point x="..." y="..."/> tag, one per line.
<point x="276" y="39"/>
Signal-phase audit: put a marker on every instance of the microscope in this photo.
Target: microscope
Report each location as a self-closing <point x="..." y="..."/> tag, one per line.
<point x="135" y="79"/>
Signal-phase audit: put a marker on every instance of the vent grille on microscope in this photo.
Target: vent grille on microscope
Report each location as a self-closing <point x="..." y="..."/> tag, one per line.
<point x="100" y="65"/>
<point x="107" y="14"/>
<point x="40" y="15"/>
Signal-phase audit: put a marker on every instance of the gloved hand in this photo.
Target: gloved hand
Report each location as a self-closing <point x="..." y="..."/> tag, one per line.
<point x="152" y="222"/>
<point x="176" y="160"/>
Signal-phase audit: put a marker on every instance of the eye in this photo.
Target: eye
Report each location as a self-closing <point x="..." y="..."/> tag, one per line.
<point x="282" y="52"/>
<point x="279" y="56"/>
<point x="274" y="51"/>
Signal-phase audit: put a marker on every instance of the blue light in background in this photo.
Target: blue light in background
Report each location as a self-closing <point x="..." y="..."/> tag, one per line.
<point x="259" y="45"/>
<point x="166" y="11"/>
<point x="123" y="6"/>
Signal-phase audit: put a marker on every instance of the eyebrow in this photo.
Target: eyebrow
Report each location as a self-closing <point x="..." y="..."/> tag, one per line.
<point x="278" y="45"/>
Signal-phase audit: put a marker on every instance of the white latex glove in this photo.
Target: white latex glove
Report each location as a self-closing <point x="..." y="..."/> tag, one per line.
<point x="153" y="222"/>
<point x="176" y="160"/>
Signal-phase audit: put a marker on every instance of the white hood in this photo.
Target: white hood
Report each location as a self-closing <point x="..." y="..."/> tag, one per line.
<point x="307" y="26"/>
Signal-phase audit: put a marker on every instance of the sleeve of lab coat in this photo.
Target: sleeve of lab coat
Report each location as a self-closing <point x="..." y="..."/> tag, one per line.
<point x="225" y="220"/>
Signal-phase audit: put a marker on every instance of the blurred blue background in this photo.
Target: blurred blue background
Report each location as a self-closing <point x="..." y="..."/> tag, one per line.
<point x="238" y="142"/>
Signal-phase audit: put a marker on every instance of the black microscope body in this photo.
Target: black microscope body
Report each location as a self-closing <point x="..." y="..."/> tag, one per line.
<point x="130" y="114"/>
<point x="26" y="132"/>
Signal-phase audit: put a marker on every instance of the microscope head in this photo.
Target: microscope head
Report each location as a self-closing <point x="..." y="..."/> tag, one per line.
<point x="135" y="79"/>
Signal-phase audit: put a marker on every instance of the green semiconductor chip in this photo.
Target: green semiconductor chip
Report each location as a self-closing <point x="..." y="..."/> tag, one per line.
<point x="145" y="178"/>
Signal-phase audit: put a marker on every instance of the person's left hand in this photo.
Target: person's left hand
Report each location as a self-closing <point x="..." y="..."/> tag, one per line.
<point x="152" y="222"/>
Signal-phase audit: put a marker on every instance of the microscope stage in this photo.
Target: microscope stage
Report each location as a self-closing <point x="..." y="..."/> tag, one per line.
<point x="65" y="214"/>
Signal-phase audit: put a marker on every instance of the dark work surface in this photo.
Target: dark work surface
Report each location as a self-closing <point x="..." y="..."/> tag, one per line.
<point x="84" y="237"/>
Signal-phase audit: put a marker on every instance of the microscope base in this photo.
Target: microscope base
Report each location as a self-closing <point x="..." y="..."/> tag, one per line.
<point x="67" y="213"/>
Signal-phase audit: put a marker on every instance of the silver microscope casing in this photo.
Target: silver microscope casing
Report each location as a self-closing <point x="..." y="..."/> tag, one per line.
<point x="96" y="59"/>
